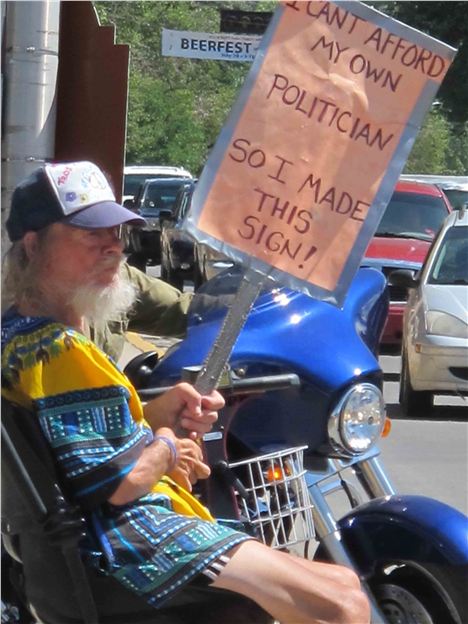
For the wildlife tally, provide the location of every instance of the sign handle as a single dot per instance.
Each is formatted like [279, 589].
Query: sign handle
[237, 313]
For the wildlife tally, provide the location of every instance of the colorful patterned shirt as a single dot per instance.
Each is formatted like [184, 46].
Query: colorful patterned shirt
[93, 420]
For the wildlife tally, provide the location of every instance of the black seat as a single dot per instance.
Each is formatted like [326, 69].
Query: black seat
[41, 530]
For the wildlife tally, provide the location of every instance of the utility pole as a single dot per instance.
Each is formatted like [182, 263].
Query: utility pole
[30, 52]
[64, 95]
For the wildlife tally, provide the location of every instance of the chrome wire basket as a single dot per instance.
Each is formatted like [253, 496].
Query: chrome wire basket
[275, 499]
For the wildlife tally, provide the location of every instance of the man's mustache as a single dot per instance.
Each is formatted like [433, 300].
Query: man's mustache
[110, 261]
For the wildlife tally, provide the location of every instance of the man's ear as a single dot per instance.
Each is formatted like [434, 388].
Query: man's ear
[30, 244]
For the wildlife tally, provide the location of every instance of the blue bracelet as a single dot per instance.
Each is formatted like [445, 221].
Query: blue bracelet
[172, 447]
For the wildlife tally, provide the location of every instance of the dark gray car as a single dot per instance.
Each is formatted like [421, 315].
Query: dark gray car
[154, 195]
[176, 243]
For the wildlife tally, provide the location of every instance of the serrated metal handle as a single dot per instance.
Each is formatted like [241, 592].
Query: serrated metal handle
[234, 321]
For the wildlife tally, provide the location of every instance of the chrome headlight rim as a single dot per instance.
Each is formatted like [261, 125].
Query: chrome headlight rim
[336, 428]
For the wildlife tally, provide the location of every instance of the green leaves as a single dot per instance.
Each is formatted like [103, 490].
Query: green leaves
[430, 148]
[178, 106]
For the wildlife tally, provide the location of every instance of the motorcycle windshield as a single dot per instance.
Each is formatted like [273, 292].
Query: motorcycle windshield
[289, 329]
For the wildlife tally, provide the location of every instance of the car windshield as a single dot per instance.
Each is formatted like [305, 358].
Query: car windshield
[450, 265]
[132, 182]
[412, 215]
[457, 197]
[160, 196]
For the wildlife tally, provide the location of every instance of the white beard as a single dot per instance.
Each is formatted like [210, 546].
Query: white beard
[101, 305]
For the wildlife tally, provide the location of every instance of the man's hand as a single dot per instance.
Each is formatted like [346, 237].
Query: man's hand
[190, 466]
[183, 408]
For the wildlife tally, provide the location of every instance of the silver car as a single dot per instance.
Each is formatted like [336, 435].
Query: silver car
[435, 323]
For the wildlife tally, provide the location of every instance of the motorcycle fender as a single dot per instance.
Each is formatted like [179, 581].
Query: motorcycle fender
[405, 528]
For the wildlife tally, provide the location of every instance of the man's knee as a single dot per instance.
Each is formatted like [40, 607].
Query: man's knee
[355, 606]
[349, 578]
[354, 602]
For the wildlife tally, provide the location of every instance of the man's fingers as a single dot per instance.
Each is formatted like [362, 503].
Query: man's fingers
[187, 473]
[199, 471]
[189, 451]
[191, 398]
[190, 425]
[182, 477]
[202, 470]
[213, 401]
[206, 415]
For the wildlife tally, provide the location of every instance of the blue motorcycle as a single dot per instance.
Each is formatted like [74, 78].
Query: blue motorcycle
[295, 456]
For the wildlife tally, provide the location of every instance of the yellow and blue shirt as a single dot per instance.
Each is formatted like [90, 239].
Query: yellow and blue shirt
[93, 420]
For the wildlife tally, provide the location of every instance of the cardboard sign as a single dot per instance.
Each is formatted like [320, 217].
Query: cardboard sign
[304, 168]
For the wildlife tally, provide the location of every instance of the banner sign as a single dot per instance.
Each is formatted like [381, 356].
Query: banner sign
[214, 46]
[301, 173]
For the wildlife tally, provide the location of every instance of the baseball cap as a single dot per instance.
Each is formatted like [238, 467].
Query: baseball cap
[74, 193]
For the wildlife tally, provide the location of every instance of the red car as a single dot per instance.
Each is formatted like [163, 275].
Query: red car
[411, 220]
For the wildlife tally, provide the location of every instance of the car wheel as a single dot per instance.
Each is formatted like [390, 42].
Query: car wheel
[412, 401]
[416, 592]
[138, 261]
[410, 595]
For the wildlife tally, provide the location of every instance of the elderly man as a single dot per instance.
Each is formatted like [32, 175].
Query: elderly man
[122, 461]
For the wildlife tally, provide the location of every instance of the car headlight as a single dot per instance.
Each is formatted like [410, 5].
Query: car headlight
[357, 421]
[444, 324]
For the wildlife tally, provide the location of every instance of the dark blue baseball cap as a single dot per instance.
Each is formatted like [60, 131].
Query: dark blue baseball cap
[74, 193]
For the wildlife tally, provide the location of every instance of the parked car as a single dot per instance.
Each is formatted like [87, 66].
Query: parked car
[455, 187]
[135, 175]
[402, 240]
[207, 262]
[176, 243]
[457, 194]
[143, 244]
[435, 326]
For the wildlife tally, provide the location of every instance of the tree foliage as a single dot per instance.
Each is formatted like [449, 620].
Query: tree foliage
[429, 152]
[439, 149]
[178, 106]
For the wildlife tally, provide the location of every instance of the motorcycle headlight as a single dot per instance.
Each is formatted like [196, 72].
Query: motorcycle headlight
[357, 421]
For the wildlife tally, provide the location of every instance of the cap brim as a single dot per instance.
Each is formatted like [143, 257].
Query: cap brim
[103, 215]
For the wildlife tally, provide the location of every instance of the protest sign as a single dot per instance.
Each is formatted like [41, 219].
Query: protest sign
[302, 171]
